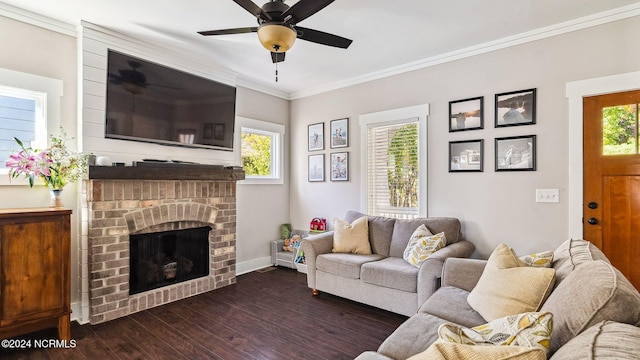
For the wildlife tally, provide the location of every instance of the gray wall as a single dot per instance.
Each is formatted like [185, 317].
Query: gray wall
[494, 207]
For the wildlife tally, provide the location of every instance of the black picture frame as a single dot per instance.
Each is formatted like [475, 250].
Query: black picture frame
[208, 131]
[515, 108]
[466, 114]
[339, 166]
[315, 167]
[466, 156]
[339, 133]
[515, 153]
[315, 136]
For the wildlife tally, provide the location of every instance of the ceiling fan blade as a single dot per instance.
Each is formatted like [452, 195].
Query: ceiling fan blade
[254, 9]
[277, 57]
[321, 37]
[229, 31]
[303, 9]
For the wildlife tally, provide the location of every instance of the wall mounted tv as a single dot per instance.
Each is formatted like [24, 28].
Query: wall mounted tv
[154, 103]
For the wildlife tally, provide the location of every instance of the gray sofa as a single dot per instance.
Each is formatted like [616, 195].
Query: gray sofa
[383, 279]
[596, 310]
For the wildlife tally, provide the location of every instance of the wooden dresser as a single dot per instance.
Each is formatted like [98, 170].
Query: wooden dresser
[34, 271]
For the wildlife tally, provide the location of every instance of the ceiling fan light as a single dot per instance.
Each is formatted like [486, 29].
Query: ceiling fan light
[275, 37]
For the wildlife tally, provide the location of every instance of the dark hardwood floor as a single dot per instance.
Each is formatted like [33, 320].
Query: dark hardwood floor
[266, 315]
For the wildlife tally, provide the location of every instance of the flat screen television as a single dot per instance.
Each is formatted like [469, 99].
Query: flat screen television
[154, 103]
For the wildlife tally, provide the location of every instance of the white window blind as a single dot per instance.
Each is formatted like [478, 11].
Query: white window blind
[393, 170]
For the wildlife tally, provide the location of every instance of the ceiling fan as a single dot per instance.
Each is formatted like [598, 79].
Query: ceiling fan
[132, 80]
[278, 29]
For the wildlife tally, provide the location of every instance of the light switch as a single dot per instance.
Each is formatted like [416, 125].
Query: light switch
[548, 195]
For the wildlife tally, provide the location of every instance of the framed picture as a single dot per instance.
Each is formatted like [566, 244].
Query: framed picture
[466, 156]
[467, 114]
[316, 167]
[339, 133]
[316, 137]
[340, 166]
[208, 131]
[516, 153]
[516, 108]
[218, 132]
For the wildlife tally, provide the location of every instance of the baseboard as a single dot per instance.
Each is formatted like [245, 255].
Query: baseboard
[252, 265]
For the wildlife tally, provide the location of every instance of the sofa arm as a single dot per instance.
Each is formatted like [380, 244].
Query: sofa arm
[313, 246]
[462, 273]
[431, 270]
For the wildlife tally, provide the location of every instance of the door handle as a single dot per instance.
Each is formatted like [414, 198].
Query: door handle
[593, 221]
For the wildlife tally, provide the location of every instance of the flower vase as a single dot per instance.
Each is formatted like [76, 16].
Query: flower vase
[55, 201]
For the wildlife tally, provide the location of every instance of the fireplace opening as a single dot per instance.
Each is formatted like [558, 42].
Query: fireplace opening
[163, 258]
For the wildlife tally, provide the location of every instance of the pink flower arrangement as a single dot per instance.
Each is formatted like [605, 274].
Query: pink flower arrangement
[56, 165]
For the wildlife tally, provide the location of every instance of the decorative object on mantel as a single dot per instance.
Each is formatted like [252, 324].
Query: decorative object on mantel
[56, 165]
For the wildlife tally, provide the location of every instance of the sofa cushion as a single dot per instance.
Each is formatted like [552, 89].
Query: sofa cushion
[405, 227]
[412, 336]
[507, 286]
[422, 244]
[605, 340]
[594, 291]
[450, 304]
[391, 272]
[344, 265]
[351, 237]
[572, 253]
[447, 351]
[380, 230]
[532, 329]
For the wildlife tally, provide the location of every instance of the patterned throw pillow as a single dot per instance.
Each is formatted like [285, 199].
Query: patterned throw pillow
[422, 244]
[532, 329]
[449, 351]
[542, 259]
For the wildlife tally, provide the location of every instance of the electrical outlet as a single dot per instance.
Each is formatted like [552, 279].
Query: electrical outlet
[548, 195]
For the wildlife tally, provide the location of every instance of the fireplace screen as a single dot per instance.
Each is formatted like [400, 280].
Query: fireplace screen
[168, 257]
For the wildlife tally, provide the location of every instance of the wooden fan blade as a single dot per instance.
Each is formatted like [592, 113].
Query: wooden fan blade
[254, 9]
[321, 37]
[303, 9]
[229, 31]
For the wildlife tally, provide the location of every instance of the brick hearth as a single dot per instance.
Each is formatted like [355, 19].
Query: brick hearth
[118, 208]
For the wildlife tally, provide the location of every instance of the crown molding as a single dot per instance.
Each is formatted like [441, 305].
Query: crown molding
[32, 18]
[522, 38]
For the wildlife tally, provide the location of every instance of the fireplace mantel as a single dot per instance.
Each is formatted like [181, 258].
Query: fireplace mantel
[166, 171]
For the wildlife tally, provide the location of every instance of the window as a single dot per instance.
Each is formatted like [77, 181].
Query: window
[29, 105]
[393, 162]
[22, 115]
[261, 151]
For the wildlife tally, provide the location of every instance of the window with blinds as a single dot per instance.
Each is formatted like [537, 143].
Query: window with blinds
[21, 116]
[392, 170]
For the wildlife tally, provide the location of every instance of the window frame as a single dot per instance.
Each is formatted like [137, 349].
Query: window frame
[47, 93]
[394, 117]
[276, 131]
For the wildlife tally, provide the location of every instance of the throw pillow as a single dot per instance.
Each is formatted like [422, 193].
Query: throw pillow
[422, 244]
[508, 287]
[351, 238]
[532, 329]
[542, 259]
[447, 351]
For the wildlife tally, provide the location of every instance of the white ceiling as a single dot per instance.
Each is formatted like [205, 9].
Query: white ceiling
[387, 35]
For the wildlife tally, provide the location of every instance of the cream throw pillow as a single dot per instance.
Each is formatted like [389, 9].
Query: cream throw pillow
[422, 244]
[447, 351]
[351, 238]
[508, 287]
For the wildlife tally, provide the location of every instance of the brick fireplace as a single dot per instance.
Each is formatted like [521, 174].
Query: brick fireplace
[123, 201]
